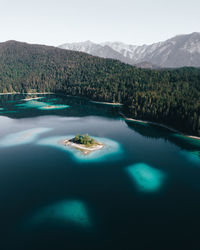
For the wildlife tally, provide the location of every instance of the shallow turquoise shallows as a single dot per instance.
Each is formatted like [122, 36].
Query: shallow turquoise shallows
[31, 104]
[112, 150]
[147, 178]
[193, 156]
[189, 140]
[67, 211]
[42, 105]
[23, 137]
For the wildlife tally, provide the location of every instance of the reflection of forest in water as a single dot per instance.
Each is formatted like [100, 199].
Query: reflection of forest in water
[157, 132]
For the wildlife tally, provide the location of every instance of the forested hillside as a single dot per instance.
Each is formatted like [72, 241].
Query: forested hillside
[168, 96]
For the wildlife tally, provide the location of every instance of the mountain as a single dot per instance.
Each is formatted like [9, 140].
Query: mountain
[166, 96]
[179, 51]
[94, 49]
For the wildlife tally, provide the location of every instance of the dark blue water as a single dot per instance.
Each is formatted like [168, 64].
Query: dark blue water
[142, 191]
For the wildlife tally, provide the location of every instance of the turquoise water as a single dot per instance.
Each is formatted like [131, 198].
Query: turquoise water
[64, 211]
[148, 179]
[41, 105]
[141, 191]
[112, 150]
[192, 157]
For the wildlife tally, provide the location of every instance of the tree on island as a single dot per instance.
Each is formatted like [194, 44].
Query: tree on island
[84, 139]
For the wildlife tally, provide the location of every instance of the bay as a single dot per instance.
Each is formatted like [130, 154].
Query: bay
[141, 192]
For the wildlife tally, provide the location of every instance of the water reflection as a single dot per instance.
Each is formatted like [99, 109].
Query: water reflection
[22, 137]
[157, 132]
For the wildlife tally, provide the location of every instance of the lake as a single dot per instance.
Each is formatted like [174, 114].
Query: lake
[141, 191]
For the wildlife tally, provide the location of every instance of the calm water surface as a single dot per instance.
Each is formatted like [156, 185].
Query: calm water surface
[142, 191]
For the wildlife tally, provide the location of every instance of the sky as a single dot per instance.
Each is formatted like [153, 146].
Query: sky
[54, 22]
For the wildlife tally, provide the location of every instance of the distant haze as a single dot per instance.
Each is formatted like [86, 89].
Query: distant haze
[133, 22]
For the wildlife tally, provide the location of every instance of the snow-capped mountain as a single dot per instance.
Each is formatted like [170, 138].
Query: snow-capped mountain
[95, 49]
[179, 51]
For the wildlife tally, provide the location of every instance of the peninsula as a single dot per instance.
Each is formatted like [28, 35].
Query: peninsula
[84, 143]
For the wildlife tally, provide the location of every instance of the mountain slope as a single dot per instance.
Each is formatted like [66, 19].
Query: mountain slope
[94, 49]
[167, 96]
[179, 51]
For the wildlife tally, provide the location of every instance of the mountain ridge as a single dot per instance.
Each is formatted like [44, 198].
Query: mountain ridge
[178, 51]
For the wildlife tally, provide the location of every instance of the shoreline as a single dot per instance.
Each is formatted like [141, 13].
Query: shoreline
[19, 93]
[114, 104]
[160, 125]
[10, 93]
[52, 93]
[108, 103]
[30, 99]
[38, 93]
[84, 149]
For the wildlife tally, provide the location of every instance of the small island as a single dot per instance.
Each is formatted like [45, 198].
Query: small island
[84, 143]
[49, 107]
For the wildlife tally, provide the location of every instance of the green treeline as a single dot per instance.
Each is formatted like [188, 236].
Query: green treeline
[168, 96]
[84, 139]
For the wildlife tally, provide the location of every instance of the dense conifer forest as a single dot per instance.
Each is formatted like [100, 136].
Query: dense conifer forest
[168, 96]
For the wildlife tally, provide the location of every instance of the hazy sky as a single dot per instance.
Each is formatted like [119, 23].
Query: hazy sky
[54, 22]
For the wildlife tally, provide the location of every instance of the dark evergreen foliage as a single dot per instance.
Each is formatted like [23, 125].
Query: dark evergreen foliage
[83, 139]
[171, 97]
